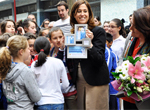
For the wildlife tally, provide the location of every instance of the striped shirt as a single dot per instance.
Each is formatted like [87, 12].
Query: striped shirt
[64, 25]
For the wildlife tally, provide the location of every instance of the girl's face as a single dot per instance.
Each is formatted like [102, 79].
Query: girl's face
[57, 38]
[26, 53]
[106, 26]
[113, 28]
[31, 46]
[82, 14]
[45, 32]
[10, 28]
[46, 23]
[96, 22]
[31, 28]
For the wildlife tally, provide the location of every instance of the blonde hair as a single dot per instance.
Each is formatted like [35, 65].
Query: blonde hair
[14, 44]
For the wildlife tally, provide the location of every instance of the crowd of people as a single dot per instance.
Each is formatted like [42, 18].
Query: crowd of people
[35, 72]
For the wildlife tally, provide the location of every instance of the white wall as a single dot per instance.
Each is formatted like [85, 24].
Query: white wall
[111, 9]
[20, 16]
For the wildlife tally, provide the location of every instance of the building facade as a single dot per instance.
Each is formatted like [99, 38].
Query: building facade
[105, 9]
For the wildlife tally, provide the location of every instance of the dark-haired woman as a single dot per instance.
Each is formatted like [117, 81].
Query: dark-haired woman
[49, 71]
[90, 75]
[8, 26]
[97, 21]
[45, 23]
[116, 29]
[138, 45]
[25, 26]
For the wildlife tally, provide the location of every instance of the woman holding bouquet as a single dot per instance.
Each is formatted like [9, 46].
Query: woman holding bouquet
[139, 44]
[90, 75]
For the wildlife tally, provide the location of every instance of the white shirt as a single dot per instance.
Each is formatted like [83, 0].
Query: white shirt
[48, 78]
[64, 25]
[118, 45]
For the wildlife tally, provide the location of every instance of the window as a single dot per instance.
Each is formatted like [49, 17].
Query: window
[96, 7]
[146, 2]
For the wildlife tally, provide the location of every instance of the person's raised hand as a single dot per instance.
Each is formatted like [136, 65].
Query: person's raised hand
[21, 30]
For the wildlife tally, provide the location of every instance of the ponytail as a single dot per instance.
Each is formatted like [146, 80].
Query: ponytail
[42, 46]
[121, 24]
[14, 44]
[122, 30]
[5, 62]
[41, 59]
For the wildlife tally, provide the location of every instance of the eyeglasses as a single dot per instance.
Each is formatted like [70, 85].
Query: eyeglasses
[113, 26]
[46, 23]
[106, 26]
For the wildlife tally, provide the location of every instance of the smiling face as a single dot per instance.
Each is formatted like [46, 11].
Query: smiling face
[57, 38]
[10, 28]
[106, 26]
[82, 14]
[135, 32]
[113, 28]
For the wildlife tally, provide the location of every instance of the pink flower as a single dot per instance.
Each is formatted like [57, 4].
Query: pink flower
[147, 63]
[137, 56]
[132, 80]
[136, 71]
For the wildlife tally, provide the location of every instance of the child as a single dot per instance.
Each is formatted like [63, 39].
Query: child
[56, 36]
[31, 39]
[19, 86]
[43, 32]
[48, 73]
[3, 101]
[113, 101]
[8, 26]
[25, 26]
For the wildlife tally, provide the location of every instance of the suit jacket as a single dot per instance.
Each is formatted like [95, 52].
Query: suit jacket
[94, 68]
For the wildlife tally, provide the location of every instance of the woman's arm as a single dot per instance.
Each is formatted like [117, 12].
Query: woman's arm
[97, 52]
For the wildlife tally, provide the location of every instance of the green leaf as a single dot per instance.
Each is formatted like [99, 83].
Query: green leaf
[129, 93]
[114, 73]
[117, 77]
[135, 91]
[130, 85]
[137, 59]
[131, 60]
[139, 97]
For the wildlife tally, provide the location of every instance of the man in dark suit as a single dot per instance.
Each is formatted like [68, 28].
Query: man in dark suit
[128, 26]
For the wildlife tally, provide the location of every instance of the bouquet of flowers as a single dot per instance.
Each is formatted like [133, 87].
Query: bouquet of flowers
[133, 77]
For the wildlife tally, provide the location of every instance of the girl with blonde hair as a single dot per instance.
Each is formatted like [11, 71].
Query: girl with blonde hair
[19, 85]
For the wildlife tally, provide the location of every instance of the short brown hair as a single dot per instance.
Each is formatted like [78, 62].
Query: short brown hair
[29, 35]
[62, 3]
[54, 29]
[74, 9]
[4, 38]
